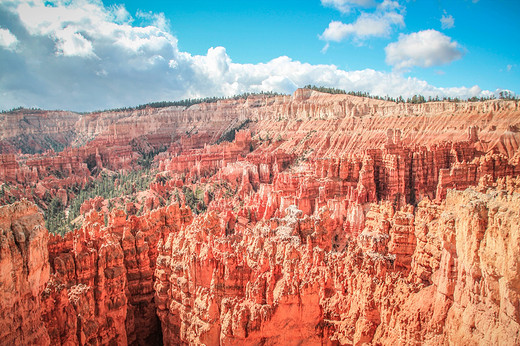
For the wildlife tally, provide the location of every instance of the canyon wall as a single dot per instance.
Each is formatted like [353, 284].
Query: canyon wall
[435, 274]
[303, 219]
[35, 131]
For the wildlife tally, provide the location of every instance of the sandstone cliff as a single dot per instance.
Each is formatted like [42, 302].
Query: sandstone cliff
[35, 131]
[24, 272]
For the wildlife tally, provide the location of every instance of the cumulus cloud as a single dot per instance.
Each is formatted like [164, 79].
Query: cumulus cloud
[7, 39]
[424, 48]
[447, 21]
[345, 6]
[378, 24]
[336, 31]
[83, 56]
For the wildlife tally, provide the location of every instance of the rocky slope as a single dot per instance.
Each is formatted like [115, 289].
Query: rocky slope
[302, 219]
[101, 287]
[34, 131]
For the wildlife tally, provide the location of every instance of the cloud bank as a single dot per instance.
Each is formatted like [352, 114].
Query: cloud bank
[83, 56]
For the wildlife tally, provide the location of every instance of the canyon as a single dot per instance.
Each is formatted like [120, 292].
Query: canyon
[309, 219]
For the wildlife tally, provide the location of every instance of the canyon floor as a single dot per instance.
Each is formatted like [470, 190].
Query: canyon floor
[304, 219]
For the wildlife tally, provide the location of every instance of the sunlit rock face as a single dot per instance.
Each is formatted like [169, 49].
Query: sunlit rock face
[303, 219]
[24, 272]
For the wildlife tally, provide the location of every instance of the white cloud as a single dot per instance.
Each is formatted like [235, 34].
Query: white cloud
[83, 56]
[336, 31]
[156, 19]
[377, 24]
[40, 19]
[424, 48]
[120, 15]
[447, 21]
[215, 63]
[72, 43]
[288, 74]
[345, 6]
[389, 5]
[7, 39]
[325, 48]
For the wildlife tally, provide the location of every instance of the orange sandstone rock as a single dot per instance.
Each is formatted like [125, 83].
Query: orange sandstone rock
[331, 219]
[24, 272]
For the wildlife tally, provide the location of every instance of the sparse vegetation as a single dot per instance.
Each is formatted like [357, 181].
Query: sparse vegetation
[503, 95]
[55, 219]
[325, 89]
[147, 158]
[229, 135]
[507, 95]
[6, 196]
[21, 109]
[194, 199]
[59, 217]
[111, 186]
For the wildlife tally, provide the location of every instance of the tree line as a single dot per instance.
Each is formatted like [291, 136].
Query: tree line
[415, 99]
[190, 102]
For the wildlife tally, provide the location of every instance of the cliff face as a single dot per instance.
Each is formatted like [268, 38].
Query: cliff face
[35, 131]
[24, 272]
[301, 219]
[101, 289]
[308, 123]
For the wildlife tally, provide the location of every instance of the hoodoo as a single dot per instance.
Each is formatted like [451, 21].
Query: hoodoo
[280, 220]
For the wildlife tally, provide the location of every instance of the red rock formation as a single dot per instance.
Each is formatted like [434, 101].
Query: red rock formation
[101, 287]
[9, 169]
[276, 284]
[329, 219]
[24, 272]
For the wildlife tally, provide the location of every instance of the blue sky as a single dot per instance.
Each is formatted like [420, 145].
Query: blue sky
[88, 54]
[258, 31]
